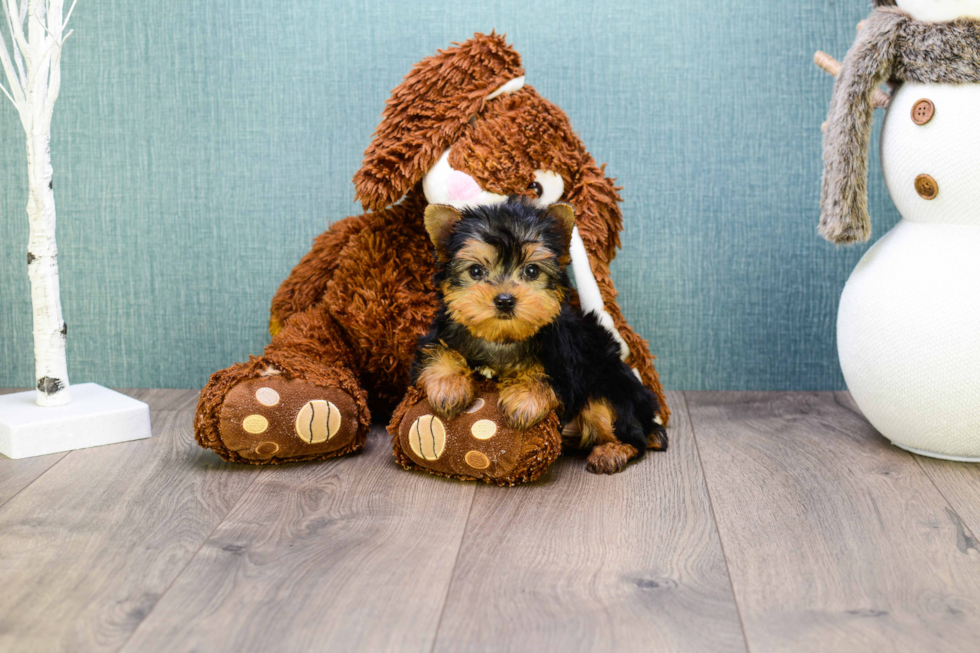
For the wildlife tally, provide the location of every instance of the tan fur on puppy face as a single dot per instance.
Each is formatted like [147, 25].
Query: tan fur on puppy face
[472, 304]
[447, 380]
[473, 307]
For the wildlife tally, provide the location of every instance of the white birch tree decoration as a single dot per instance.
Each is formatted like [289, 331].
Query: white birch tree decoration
[46, 421]
[33, 83]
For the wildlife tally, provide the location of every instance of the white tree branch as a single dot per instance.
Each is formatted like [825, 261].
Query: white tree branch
[34, 87]
[9, 11]
[67, 18]
[12, 100]
[12, 79]
[17, 26]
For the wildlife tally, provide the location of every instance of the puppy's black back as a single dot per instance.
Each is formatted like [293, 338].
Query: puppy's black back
[582, 360]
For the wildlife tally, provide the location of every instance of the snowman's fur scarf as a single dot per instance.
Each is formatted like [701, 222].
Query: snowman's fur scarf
[892, 47]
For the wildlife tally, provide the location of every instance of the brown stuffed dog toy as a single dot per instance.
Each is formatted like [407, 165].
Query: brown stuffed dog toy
[461, 129]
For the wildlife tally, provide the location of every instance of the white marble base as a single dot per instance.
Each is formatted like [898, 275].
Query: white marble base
[96, 416]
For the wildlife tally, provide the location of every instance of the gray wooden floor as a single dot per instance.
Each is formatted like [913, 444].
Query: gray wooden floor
[775, 522]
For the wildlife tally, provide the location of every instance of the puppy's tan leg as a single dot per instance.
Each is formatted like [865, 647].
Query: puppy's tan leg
[609, 455]
[447, 380]
[526, 397]
[610, 458]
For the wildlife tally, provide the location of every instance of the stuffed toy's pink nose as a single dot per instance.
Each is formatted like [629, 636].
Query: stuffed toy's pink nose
[460, 186]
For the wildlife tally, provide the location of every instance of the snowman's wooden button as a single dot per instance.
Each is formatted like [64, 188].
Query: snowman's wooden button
[923, 111]
[926, 187]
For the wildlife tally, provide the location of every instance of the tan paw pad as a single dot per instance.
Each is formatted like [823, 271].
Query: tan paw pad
[427, 437]
[477, 405]
[318, 421]
[266, 448]
[477, 460]
[255, 424]
[267, 396]
[484, 429]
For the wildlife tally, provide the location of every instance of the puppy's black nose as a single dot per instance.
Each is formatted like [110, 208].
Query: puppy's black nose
[505, 302]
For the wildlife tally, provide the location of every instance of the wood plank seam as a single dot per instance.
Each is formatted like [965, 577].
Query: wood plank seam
[595, 562]
[34, 480]
[452, 574]
[346, 537]
[968, 535]
[190, 559]
[863, 556]
[714, 519]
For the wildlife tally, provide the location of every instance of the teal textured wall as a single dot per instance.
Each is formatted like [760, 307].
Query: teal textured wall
[199, 147]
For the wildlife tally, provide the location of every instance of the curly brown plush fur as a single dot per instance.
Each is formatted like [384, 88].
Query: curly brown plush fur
[368, 279]
[892, 46]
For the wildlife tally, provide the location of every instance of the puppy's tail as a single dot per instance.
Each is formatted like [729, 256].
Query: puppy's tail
[636, 417]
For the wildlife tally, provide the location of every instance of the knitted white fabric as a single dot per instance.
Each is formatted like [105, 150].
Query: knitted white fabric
[939, 10]
[908, 336]
[908, 329]
[946, 148]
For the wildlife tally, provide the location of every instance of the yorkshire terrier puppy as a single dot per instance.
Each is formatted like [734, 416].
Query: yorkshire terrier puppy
[505, 314]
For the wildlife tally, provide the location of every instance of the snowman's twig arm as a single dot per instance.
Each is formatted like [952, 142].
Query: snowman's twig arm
[844, 198]
[830, 65]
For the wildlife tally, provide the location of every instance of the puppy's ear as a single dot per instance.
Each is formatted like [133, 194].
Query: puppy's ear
[440, 221]
[564, 216]
[428, 112]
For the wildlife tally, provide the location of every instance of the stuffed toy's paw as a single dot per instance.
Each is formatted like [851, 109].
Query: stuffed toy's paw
[477, 445]
[273, 419]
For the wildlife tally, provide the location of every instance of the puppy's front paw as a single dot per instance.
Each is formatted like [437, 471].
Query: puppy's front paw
[610, 458]
[524, 405]
[448, 382]
[450, 395]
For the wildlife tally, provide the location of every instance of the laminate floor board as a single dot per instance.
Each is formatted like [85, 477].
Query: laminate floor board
[87, 549]
[835, 540]
[347, 554]
[958, 482]
[628, 562]
[775, 522]
[164, 399]
[15, 475]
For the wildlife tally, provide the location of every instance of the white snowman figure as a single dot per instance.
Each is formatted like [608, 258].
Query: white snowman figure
[908, 328]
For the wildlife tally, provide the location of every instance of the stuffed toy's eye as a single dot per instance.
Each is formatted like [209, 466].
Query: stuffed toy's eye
[477, 271]
[531, 272]
[536, 188]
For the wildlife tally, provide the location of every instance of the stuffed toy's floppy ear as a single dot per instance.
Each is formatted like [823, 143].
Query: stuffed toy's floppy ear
[428, 112]
[564, 216]
[440, 220]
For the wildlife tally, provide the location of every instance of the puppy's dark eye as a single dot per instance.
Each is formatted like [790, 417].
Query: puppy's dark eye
[536, 188]
[477, 271]
[531, 272]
